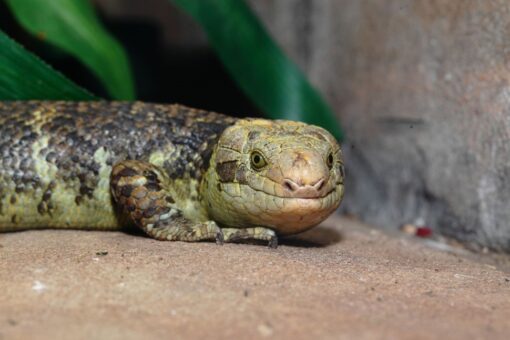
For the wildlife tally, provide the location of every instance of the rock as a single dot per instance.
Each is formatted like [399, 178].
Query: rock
[340, 280]
[422, 89]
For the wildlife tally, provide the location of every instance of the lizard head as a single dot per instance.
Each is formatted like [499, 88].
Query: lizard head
[284, 175]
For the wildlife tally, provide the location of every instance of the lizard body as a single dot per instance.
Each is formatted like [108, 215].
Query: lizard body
[175, 172]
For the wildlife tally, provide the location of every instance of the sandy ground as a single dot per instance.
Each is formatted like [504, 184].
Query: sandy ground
[342, 280]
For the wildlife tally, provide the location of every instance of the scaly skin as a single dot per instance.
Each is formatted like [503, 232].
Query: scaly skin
[177, 173]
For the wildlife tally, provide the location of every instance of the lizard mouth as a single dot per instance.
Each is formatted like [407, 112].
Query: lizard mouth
[307, 193]
[307, 196]
[296, 214]
[324, 199]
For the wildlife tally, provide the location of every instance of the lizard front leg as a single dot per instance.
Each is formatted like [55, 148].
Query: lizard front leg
[254, 233]
[140, 191]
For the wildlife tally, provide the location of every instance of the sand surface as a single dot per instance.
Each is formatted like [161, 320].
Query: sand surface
[342, 280]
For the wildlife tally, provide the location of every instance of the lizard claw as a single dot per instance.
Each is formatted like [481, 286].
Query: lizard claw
[273, 242]
[219, 237]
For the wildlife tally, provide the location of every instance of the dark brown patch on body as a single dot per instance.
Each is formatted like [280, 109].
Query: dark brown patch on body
[150, 211]
[47, 195]
[226, 171]
[127, 172]
[151, 176]
[126, 190]
[78, 200]
[86, 191]
[241, 175]
[41, 208]
[153, 187]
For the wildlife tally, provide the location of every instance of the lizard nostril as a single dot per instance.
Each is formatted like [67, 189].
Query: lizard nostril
[290, 185]
[320, 184]
[295, 187]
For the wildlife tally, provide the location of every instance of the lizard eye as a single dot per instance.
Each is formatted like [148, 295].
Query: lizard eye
[257, 160]
[329, 160]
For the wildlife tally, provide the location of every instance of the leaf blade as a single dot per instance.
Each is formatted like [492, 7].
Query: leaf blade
[23, 76]
[73, 26]
[258, 65]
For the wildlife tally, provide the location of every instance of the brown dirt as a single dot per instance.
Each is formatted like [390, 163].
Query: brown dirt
[344, 280]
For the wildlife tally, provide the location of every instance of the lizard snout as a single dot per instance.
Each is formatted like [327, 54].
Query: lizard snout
[304, 191]
[305, 175]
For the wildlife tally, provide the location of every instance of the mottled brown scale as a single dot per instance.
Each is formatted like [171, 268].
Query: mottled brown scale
[150, 207]
[128, 130]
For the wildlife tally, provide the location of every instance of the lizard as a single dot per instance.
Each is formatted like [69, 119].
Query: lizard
[177, 173]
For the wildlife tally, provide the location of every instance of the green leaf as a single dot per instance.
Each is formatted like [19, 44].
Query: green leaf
[73, 26]
[259, 67]
[23, 76]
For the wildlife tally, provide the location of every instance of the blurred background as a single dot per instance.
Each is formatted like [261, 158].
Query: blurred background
[422, 89]
[167, 50]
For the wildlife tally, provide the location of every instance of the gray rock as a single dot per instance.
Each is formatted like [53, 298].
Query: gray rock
[423, 91]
